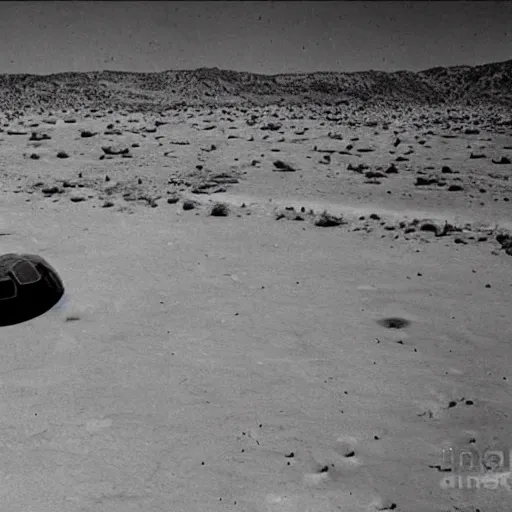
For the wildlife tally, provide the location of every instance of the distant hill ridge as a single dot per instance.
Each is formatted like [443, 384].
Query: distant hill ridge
[484, 84]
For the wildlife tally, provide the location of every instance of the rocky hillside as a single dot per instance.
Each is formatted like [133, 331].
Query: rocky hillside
[486, 84]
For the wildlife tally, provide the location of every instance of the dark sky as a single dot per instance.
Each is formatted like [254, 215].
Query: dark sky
[263, 37]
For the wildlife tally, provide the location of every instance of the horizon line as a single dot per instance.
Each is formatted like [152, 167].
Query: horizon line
[295, 73]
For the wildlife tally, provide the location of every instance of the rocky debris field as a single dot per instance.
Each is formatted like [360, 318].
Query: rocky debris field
[456, 163]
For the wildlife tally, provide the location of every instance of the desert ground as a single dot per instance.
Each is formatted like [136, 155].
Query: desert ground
[267, 309]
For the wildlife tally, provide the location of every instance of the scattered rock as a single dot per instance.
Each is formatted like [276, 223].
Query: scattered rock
[173, 199]
[113, 132]
[326, 220]
[429, 226]
[51, 190]
[224, 178]
[502, 160]
[357, 168]
[77, 197]
[220, 210]
[421, 181]
[273, 127]
[283, 167]
[189, 204]
[39, 136]
[115, 150]
[86, 134]
[505, 240]
[437, 227]
[384, 504]
[374, 174]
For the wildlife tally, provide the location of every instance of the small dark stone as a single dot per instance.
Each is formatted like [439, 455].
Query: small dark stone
[189, 205]
[503, 160]
[327, 220]
[420, 181]
[283, 167]
[50, 190]
[220, 210]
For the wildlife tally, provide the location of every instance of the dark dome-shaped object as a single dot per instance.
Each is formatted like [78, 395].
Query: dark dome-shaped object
[29, 286]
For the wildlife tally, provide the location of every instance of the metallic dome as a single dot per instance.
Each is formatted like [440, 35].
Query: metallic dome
[29, 286]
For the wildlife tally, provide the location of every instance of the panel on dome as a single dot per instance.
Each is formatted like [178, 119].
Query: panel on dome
[25, 272]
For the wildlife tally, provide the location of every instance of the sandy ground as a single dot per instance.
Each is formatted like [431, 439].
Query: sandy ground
[201, 363]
